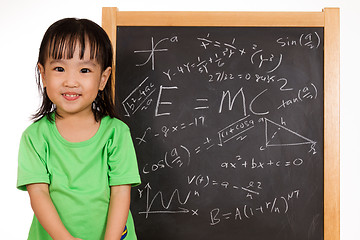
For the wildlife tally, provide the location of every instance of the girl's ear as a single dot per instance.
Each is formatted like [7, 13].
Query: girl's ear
[104, 78]
[42, 73]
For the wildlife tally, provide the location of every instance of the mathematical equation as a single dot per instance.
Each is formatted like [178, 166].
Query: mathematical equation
[278, 205]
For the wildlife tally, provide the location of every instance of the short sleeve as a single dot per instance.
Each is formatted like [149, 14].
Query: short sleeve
[31, 163]
[123, 167]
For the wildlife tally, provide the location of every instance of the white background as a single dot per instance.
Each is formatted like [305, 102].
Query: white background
[23, 24]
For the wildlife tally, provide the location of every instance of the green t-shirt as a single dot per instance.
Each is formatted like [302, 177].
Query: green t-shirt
[79, 174]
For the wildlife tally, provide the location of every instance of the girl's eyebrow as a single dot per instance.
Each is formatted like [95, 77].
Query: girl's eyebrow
[86, 62]
[54, 61]
[91, 62]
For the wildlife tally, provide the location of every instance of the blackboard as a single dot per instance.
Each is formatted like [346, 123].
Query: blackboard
[227, 123]
[242, 147]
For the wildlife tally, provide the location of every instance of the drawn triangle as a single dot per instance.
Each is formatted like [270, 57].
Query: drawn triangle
[278, 135]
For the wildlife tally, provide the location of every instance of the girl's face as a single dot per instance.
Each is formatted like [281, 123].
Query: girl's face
[72, 84]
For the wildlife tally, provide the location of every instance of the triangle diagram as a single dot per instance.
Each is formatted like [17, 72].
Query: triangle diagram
[277, 135]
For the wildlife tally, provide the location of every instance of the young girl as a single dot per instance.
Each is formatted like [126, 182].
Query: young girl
[77, 161]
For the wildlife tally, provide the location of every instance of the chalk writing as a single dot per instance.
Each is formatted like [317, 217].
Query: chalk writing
[260, 59]
[139, 98]
[274, 130]
[153, 50]
[254, 164]
[165, 207]
[305, 93]
[310, 40]
[177, 157]
[278, 205]
[227, 123]
[235, 129]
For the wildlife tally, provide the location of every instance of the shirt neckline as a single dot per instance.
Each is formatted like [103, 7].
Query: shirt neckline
[77, 144]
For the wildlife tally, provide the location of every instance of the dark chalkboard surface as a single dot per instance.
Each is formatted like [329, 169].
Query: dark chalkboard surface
[227, 123]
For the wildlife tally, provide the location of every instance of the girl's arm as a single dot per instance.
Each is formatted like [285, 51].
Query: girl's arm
[118, 211]
[46, 213]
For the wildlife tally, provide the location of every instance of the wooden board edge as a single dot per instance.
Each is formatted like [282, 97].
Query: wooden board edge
[246, 19]
[109, 25]
[332, 124]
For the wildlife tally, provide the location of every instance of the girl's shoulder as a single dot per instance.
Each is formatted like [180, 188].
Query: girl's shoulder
[40, 126]
[37, 135]
[116, 123]
[114, 129]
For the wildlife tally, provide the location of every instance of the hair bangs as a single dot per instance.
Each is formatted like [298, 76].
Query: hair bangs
[63, 46]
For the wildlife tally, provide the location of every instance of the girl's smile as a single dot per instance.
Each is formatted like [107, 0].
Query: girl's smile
[71, 96]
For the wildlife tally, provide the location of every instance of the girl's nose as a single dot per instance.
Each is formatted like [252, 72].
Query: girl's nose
[71, 80]
[71, 84]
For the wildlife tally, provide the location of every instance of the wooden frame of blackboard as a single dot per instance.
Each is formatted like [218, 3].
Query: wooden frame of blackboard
[329, 19]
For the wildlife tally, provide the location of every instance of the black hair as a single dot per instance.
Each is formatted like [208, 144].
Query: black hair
[59, 42]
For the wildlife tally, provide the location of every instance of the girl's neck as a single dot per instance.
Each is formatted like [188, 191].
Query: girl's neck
[77, 127]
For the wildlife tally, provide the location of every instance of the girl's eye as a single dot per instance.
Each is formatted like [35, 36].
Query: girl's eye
[59, 69]
[85, 70]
